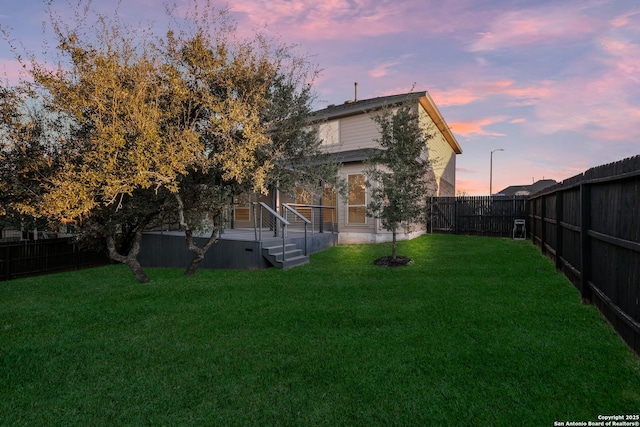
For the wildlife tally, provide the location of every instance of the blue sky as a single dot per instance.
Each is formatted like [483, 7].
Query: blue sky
[556, 84]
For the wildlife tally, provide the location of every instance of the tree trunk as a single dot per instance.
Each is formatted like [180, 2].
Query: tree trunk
[394, 246]
[130, 259]
[197, 251]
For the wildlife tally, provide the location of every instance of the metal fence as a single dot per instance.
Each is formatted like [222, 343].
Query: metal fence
[590, 226]
[35, 257]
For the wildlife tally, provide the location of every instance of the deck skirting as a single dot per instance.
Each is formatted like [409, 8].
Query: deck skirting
[236, 250]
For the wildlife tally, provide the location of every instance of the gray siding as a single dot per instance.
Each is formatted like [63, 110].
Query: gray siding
[356, 132]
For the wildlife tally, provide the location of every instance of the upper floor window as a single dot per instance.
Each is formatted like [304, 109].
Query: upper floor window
[329, 132]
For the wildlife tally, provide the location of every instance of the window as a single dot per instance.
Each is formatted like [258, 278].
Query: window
[357, 200]
[329, 133]
[242, 210]
[329, 198]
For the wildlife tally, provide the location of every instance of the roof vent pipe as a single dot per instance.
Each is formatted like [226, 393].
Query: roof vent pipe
[355, 98]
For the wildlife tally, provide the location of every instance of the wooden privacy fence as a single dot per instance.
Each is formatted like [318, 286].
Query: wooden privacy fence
[30, 258]
[483, 215]
[590, 226]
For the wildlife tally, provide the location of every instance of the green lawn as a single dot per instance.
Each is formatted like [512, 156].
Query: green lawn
[478, 331]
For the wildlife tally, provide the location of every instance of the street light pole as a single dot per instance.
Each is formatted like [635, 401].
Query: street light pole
[491, 170]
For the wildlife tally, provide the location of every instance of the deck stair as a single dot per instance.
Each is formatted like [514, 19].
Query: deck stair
[293, 256]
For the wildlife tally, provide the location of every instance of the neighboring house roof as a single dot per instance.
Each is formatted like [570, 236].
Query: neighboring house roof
[525, 190]
[351, 108]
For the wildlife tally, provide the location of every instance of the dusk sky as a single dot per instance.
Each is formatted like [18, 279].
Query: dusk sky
[556, 84]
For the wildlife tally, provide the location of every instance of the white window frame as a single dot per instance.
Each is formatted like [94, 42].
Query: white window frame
[363, 205]
[329, 133]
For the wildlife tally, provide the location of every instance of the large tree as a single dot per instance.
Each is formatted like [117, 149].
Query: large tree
[397, 173]
[250, 101]
[107, 94]
[181, 121]
[225, 82]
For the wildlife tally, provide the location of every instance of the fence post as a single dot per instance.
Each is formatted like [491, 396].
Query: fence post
[543, 227]
[531, 224]
[534, 222]
[585, 243]
[527, 212]
[559, 248]
[429, 215]
[455, 214]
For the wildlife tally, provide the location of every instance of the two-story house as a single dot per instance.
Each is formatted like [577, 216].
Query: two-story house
[348, 132]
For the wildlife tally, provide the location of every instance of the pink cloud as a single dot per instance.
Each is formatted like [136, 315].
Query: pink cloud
[384, 68]
[458, 96]
[476, 127]
[312, 20]
[535, 25]
[621, 54]
[478, 91]
[470, 187]
[510, 168]
[625, 19]
[381, 70]
[342, 20]
[602, 105]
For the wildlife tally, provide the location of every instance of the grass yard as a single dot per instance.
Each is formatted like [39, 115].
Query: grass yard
[478, 331]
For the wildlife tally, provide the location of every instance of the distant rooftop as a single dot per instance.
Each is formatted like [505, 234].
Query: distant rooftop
[517, 190]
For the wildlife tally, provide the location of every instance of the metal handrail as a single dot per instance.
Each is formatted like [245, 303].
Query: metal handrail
[313, 214]
[284, 223]
[303, 218]
[282, 219]
[289, 207]
[274, 213]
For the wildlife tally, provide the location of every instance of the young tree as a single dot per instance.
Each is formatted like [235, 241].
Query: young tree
[397, 174]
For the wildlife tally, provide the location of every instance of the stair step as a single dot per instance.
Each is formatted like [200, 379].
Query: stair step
[278, 248]
[293, 256]
[294, 262]
[277, 256]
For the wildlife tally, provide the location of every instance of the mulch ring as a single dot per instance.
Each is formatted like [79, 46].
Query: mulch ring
[387, 261]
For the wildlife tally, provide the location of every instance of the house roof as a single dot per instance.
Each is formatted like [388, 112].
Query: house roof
[351, 108]
[527, 189]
